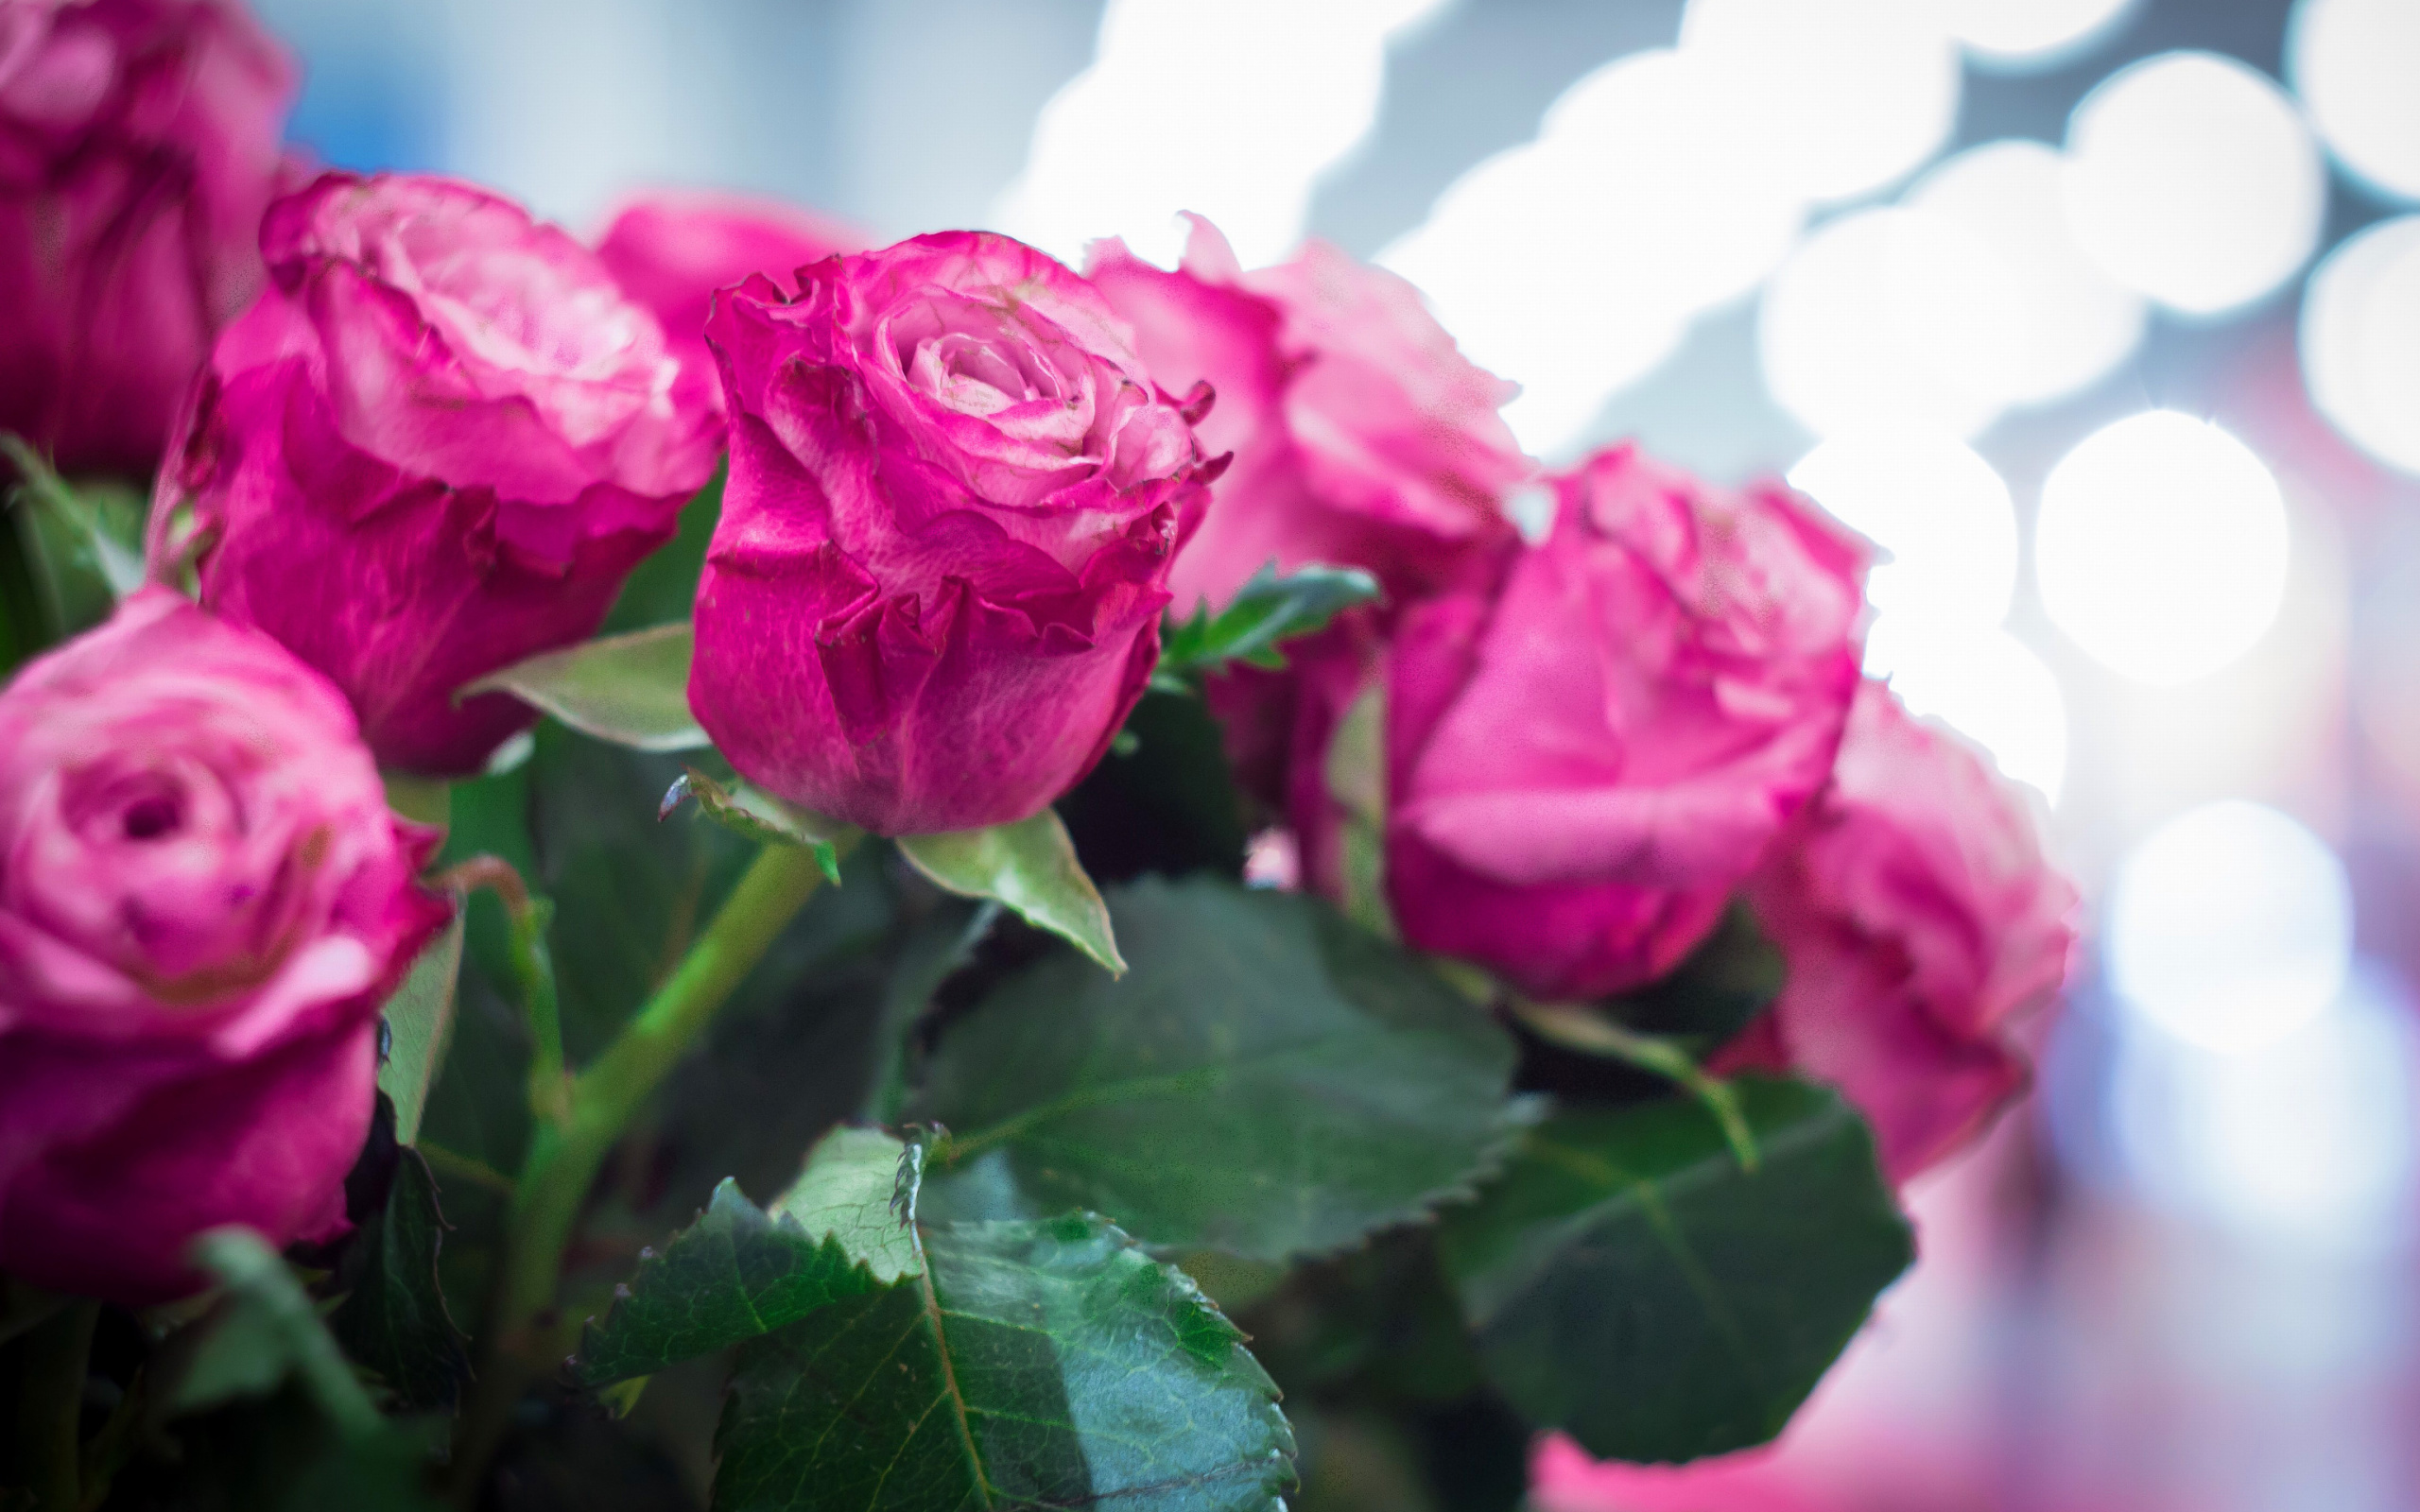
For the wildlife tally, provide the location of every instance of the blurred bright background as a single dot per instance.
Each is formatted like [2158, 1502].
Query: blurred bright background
[2103, 317]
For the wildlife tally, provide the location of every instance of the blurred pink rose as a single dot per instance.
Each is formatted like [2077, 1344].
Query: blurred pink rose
[672, 249]
[436, 447]
[138, 144]
[1590, 746]
[1362, 438]
[204, 902]
[936, 588]
[1919, 919]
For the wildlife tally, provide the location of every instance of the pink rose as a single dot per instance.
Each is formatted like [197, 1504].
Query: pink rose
[203, 901]
[1589, 747]
[674, 248]
[1362, 438]
[138, 144]
[936, 588]
[436, 447]
[1919, 920]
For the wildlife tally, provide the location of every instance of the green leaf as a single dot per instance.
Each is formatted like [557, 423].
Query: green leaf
[739, 1272]
[263, 1331]
[1030, 866]
[1172, 806]
[632, 690]
[419, 1022]
[1628, 1282]
[1269, 609]
[1049, 1365]
[1355, 776]
[1719, 990]
[745, 809]
[1268, 1080]
[394, 1319]
[101, 523]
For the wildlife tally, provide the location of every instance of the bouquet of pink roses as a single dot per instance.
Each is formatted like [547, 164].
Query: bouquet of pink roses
[726, 864]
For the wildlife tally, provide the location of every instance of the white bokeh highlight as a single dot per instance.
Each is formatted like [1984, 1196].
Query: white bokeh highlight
[2356, 64]
[2075, 322]
[2193, 179]
[1263, 96]
[2030, 33]
[1936, 507]
[1848, 95]
[2230, 927]
[2305, 1142]
[2360, 341]
[1987, 685]
[1887, 319]
[2161, 547]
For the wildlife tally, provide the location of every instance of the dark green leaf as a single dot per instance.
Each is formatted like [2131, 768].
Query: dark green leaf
[1715, 993]
[263, 1331]
[739, 1272]
[1030, 866]
[1269, 609]
[1628, 1282]
[1268, 1080]
[419, 1022]
[1032, 1365]
[394, 1319]
[632, 690]
[1169, 807]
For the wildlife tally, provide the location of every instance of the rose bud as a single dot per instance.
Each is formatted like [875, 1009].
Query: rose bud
[1919, 920]
[672, 249]
[436, 446]
[1591, 746]
[203, 901]
[1362, 438]
[138, 144]
[936, 588]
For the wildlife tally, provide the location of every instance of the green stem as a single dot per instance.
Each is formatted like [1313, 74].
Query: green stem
[1580, 1029]
[565, 1155]
[50, 1401]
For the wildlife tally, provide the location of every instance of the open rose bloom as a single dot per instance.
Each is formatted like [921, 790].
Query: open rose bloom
[138, 144]
[954, 495]
[205, 903]
[436, 447]
[1590, 744]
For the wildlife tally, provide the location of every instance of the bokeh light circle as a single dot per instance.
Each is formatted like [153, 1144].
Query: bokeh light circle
[2357, 65]
[2077, 323]
[1986, 684]
[1891, 318]
[2031, 33]
[2230, 926]
[2193, 179]
[2161, 547]
[2360, 341]
[1939, 510]
[1849, 96]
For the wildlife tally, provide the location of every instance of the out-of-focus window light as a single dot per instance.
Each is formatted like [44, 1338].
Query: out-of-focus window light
[2075, 322]
[1936, 507]
[1850, 95]
[2193, 179]
[2357, 65]
[1268, 96]
[1891, 318]
[2160, 547]
[2029, 34]
[1985, 685]
[2361, 339]
[2306, 1142]
[2230, 927]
